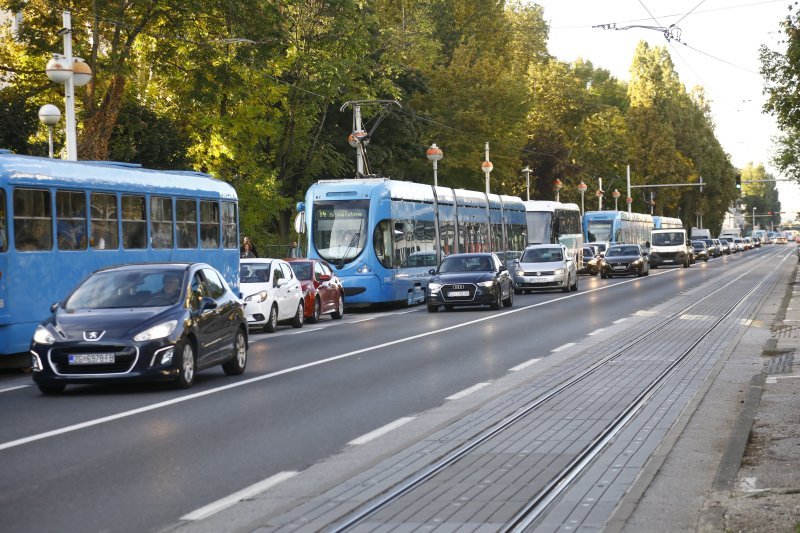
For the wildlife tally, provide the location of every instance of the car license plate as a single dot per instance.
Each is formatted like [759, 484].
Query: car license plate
[537, 279]
[456, 294]
[91, 358]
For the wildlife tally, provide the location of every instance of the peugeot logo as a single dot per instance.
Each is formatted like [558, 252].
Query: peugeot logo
[458, 287]
[538, 273]
[92, 336]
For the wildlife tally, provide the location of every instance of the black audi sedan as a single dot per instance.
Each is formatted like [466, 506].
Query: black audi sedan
[141, 322]
[624, 260]
[470, 279]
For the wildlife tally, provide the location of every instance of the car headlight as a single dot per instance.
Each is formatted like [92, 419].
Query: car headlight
[157, 332]
[434, 287]
[519, 272]
[637, 262]
[559, 272]
[257, 297]
[489, 283]
[42, 335]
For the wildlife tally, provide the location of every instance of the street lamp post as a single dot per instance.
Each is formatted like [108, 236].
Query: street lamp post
[582, 189]
[557, 186]
[599, 194]
[527, 171]
[754, 220]
[487, 168]
[616, 194]
[434, 155]
[72, 72]
[49, 115]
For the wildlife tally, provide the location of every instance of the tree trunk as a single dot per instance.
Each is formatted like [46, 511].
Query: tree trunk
[97, 128]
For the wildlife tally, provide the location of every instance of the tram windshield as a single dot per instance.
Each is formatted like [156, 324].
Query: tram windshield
[339, 229]
[539, 226]
[599, 230]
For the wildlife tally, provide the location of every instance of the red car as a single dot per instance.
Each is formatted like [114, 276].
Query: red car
[323, 292]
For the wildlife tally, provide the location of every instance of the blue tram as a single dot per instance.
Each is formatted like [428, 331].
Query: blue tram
[616, 227]
[61, 220]
[383, 236]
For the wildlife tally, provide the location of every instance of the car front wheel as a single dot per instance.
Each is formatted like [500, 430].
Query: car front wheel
[297, 321]
[508, 302]
[314, 318]
[50, 389]
[186, 361]
[272, 321]
[339, 312]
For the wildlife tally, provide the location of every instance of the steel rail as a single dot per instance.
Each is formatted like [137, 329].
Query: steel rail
[410, 483]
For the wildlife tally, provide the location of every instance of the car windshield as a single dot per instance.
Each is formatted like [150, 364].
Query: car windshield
[698, 246]
[126, 289]
[542, 255]
[667, 239]
[470, 263]
[254, 272]
[622, 251]
[302, 269]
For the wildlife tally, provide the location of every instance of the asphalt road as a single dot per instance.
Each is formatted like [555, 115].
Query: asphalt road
[137, 458]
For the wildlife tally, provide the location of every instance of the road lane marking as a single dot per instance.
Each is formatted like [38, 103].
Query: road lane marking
[372, 435]
[526, 364]
[595, 332]
[14, 388]
[306, 330]
[645, 313]
[236, 497]
[363, 320]
[563, 347]
[620, 320]
[467, 392]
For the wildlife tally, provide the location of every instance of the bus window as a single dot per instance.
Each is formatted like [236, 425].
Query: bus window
[33, 220]
[105, 231]
[134, 223]
[229, 225]
[383, 242]
[3, 231]
[160, 222]
[187, 223]
[71, 220]
[209, 224]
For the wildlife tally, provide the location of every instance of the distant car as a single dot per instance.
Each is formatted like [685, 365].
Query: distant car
[624, 260]
[272, 293]
[726, 247]
[781, 239]
[142, 322]
[591, 260]
[469, 279]
[601, 247]
[322, 290]
[713, 247]
[700, 250]
[748, 243]
[739, 244]
[546, 266]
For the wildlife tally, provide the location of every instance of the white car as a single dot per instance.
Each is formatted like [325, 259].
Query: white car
[271, 292]
[545, 266]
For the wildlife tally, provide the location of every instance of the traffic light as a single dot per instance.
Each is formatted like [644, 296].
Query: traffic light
[738, 181]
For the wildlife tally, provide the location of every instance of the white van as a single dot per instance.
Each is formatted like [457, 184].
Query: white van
[730, 233]
[669, 247]
[701, 233]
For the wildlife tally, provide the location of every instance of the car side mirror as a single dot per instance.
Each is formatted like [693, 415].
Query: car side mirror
[281, 282]
[54, 307]
[207, 303]
[502, 268]
[324, 277]
[432, 271]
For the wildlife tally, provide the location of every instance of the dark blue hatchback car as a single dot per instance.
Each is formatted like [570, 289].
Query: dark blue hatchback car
[141, 322]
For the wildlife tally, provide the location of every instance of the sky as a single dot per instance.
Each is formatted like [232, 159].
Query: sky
[716, 46]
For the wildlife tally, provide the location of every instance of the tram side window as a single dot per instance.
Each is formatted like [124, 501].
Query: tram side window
[71, 220]
[105, 231]
[383, 243]
[134, 223]
[229, 225]
[3, 230]
[161, 222]
[186, 215]
[209, 224]
[33, 220]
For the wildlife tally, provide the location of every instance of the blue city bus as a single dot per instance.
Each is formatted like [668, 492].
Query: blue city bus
[555, 223]
[61, 220]
[381, 235]
[615, 227]
[660, 222]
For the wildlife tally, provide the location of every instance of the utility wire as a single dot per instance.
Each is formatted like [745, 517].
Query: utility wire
[690, 12]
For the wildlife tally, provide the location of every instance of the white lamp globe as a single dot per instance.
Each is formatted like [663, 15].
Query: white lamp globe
[58, 69]
[81, 72]
[49, 115]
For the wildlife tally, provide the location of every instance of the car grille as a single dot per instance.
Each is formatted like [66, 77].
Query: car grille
[124, 360]
[618, 266]
[469, 288]
[540, 273]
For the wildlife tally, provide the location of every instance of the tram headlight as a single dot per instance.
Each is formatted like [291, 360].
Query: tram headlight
[42, 335]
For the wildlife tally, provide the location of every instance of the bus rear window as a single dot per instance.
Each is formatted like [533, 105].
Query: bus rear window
[230, 239]
[33, 220]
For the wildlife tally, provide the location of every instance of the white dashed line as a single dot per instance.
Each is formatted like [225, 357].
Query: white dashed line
[363, 320]
[526, 364]
[14, 388]
[563, 347]
[467, 392]
[372, 435]
[620, 320]
[236, 497]
[595, 332]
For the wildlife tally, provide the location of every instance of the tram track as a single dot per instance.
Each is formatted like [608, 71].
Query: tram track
[537, 506]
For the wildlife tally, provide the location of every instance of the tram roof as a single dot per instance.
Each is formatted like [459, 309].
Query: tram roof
[110, 175]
